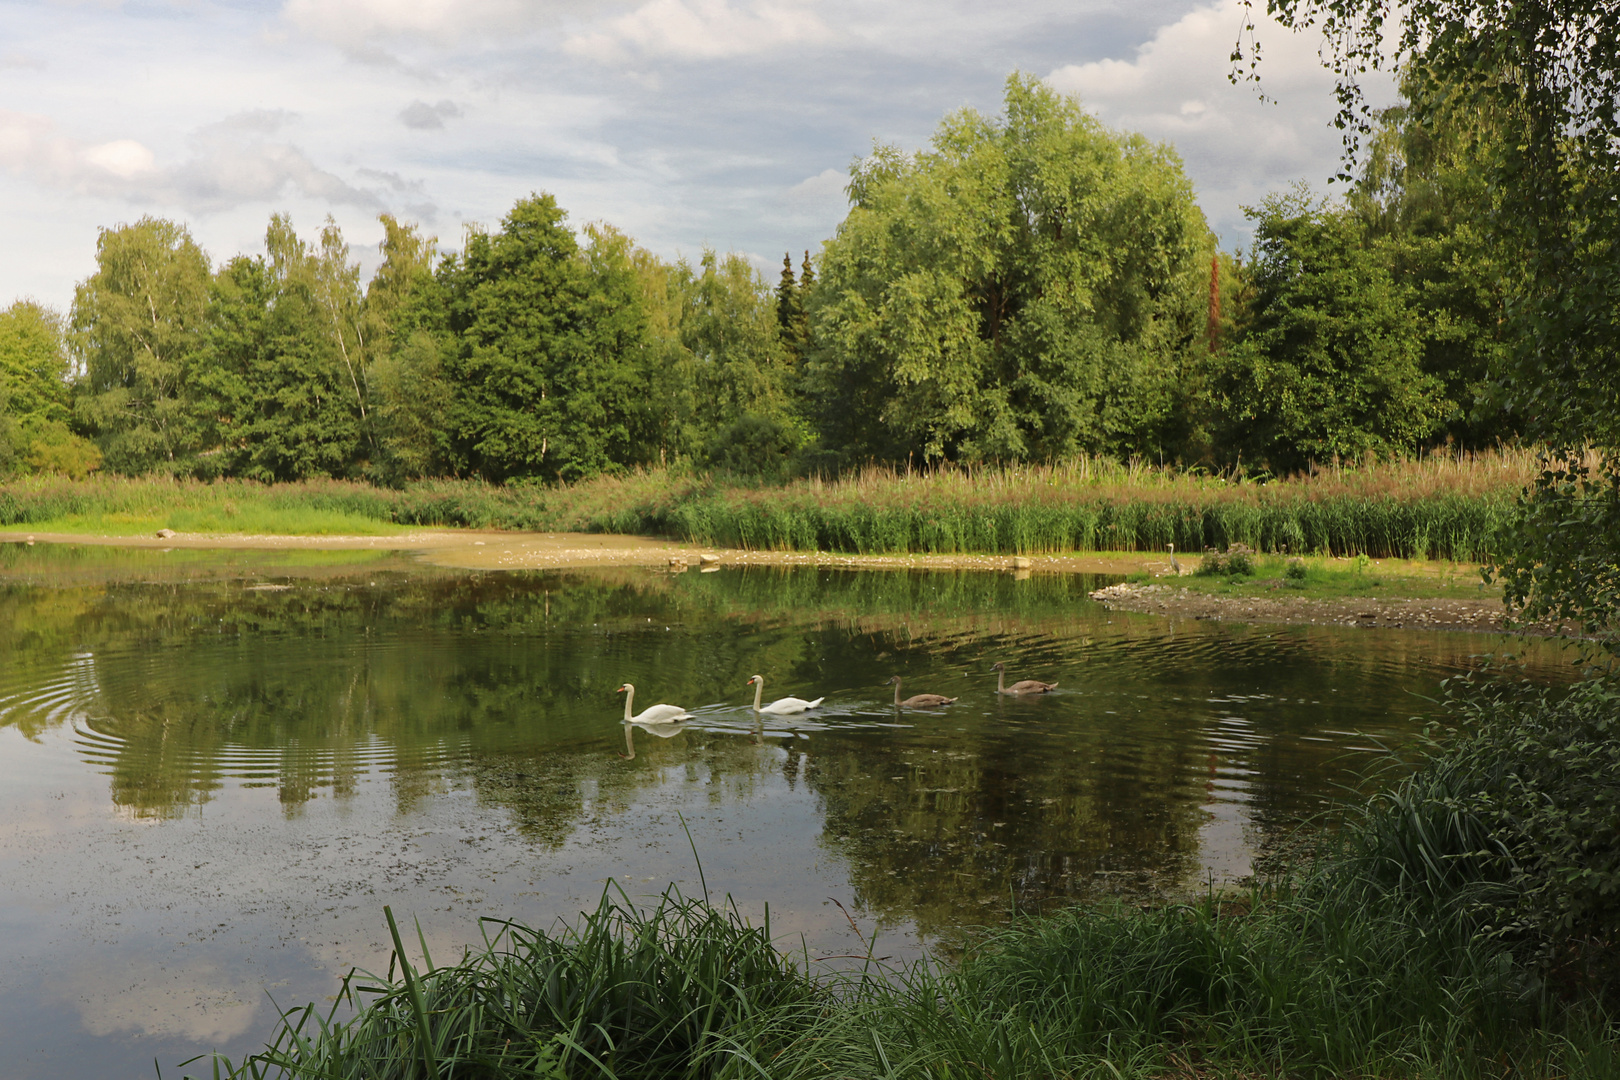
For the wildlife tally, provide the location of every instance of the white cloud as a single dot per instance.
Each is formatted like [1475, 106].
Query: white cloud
[702, 30]
[233, 162]
[355, 22]
[30, 146]
[1236, 146]
[825, 186]
[124, 158]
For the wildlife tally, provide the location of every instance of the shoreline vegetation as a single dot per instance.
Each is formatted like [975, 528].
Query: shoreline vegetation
[1457, 925]
[1442, 507]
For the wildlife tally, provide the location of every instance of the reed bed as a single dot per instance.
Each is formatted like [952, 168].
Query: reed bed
[1446, 506]
[1442, 506]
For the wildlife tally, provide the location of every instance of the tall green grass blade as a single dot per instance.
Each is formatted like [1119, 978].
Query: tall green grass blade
[414, 990]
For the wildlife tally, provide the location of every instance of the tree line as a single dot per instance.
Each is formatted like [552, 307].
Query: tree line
[1032, 287]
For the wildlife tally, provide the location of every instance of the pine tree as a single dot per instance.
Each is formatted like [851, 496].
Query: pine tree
[789, 308]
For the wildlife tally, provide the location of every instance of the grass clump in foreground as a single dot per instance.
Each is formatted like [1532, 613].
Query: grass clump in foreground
[1461, 925]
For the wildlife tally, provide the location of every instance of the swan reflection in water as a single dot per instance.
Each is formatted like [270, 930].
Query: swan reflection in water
[663, 731]
[756, 733]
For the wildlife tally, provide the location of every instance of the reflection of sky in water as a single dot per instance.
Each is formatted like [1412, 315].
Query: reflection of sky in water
[208, 793]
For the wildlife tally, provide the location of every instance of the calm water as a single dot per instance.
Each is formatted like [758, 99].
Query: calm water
[216, 768]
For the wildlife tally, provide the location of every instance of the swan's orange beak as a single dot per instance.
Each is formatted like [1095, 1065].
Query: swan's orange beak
[620, 690]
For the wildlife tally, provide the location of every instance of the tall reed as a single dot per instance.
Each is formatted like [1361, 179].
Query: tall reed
[1441, 506]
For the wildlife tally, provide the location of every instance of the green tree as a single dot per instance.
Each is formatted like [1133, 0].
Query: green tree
[406, 326]
[741, 366]
[34, 365]
[35, 395]
[138, 323]
[1544, 74]
[661, 411]
[1427, 207]
[807, 274]
[670, 424]
[283, 398]
[550, 372]
[334, 282]
[790, 322]
[1027, 289]
[1330, 363]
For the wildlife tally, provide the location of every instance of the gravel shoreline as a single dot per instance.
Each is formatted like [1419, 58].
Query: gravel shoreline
[1485, 616]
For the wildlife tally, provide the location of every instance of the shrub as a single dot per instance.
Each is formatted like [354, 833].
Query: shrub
[1235, 561]
[752, 446]
[54, 449]
[1513, 818]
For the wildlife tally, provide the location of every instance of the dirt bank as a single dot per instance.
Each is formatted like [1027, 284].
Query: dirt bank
[1434, 614]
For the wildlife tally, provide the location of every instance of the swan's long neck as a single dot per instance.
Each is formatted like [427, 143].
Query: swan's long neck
[1001, 680]
[897, 693]
[629, 696]
[759, 691]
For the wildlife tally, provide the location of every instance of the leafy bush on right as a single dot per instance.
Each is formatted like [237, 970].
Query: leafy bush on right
[1513, 822]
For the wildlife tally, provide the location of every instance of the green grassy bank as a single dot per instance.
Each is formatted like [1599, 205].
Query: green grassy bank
[1461, 925]
[1439, 507]
[1330, 578]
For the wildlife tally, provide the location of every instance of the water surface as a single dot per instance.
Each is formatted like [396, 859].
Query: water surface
[216, 768]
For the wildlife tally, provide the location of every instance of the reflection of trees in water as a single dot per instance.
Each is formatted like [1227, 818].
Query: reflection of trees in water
[306, 689]
[503, 684]
[949, 836]
[547, 793]
[299, 689]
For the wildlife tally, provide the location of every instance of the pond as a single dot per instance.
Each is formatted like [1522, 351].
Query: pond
[217, 767]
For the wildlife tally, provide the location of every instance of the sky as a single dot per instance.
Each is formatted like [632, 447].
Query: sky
[728, 124]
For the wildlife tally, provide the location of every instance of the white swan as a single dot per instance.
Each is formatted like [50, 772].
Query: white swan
[780, 706]
[652, 714]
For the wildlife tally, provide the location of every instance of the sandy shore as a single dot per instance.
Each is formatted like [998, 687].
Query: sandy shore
[474, 550]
